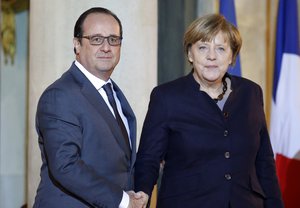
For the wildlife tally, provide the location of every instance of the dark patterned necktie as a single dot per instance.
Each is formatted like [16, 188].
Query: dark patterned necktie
[107, 88]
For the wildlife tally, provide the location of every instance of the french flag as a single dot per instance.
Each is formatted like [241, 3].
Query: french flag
[285, 116]
[227, 9]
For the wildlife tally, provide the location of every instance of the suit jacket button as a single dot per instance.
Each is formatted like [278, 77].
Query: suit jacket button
[228, 177]
[225, 133]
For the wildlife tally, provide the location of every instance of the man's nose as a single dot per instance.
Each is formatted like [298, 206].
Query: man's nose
[105, 45]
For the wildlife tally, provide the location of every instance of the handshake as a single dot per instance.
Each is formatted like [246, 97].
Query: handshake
[137, 200]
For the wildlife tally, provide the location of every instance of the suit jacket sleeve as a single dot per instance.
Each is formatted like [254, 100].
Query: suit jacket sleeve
[62, 142]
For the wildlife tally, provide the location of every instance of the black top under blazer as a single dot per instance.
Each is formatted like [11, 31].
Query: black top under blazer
[213, 158]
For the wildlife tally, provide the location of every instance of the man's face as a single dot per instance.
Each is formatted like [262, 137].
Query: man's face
[100, 60]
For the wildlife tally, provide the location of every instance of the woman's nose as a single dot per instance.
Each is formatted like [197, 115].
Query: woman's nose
[211, 54]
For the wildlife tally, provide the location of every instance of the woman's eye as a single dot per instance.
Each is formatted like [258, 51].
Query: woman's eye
[221, 49]
[201, 48]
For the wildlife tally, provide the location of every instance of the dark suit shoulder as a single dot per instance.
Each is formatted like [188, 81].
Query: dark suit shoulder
[178, 85]
[65, 91]
[69, 81]
[64, 81]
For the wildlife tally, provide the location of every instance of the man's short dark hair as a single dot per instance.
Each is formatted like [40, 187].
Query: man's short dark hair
[78, 31]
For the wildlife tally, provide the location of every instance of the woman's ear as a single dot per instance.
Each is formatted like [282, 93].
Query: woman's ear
[190, 58]
[230, 62]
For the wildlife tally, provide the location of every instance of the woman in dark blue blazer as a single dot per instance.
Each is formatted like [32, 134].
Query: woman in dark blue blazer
[209, 128]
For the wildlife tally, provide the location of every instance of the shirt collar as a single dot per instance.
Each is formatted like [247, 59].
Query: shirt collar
[98, 83]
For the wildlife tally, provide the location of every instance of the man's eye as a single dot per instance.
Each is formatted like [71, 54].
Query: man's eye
[96, 39]
[113, 39]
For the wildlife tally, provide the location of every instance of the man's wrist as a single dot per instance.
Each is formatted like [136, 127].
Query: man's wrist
[125, 200]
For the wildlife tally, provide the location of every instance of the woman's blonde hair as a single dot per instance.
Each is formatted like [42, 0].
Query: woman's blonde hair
[207, 27]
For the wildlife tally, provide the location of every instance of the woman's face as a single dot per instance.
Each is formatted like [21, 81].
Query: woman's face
[211, 59]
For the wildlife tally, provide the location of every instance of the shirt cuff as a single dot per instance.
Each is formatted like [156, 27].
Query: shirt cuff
[125, 200]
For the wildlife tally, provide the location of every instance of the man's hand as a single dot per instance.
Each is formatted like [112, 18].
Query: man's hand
[137, 200]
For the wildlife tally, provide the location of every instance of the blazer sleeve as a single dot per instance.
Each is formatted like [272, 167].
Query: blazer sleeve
[153, 143]
[265, 167]
[61, 141]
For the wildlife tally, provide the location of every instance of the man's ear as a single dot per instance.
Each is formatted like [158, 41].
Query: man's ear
[77, 45]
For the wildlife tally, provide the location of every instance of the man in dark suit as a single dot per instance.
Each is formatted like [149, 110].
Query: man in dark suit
[86, 127]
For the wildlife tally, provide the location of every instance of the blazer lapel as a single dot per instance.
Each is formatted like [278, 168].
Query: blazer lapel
[93, 96]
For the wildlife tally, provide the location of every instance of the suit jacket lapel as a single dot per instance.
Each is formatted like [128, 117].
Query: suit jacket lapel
[128, 112]
[93, 96]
